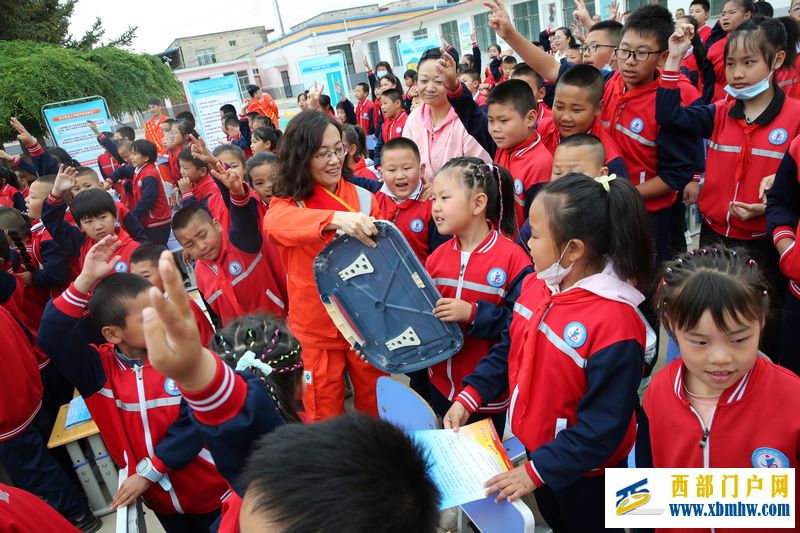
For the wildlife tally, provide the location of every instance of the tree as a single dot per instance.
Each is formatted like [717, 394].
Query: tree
[36, 20]
[35, 74]
[92, 37]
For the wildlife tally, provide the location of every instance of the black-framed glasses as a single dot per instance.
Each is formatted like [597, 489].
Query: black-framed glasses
[639, 55]
[592, 48]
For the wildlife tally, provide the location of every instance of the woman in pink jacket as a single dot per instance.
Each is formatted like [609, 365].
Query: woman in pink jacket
[434, 125]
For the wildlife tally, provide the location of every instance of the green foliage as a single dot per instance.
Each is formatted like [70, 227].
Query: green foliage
[35, 74]
[37, 20]
[93, 35]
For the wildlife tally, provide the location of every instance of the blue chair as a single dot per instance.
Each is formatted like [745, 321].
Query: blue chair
[504, 517]
[403, 407]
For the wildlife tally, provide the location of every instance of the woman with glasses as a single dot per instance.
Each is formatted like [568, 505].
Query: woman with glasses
[311, 203]
[733, 14]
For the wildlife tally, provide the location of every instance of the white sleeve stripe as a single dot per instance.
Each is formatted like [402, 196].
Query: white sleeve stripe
[74, 300]
[221, 396]
[464, 395]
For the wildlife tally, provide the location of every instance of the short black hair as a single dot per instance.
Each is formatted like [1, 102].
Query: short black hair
[510, 60]
[585, 77]
[126, 132]
[586, 139]
[763, 8]
[265, 134]
[702, 3]
[364, 87]
[185, 215]
[252, 89]
[87, 171]
[186, 116]
[235, 150]
[401, 143]
[92, 203]
[186, 155]
[231, 121]
[360, 459]
[267, 123]
[226, 109]
[515, 93]
[472, 74]
[612, 28]
[148, 251]
[261, 158]
[395, 95]
[154, 101]
[146, 148]
[410, 73]
[251, 115]
[522, 69]
[651, 21]
[110, 298]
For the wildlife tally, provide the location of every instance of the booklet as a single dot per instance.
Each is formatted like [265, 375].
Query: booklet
[77, 413]
[460, 463]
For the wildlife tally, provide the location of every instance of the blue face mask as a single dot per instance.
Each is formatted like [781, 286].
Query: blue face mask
[380, 73]
[750, 92]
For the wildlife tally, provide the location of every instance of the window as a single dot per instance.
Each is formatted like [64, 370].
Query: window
[631, 5]
[396, 61]
[232, 43]
[450, 34]
[205, 56]
[348, 59]
[526, 19]
[483, 32]
[421, 34]
[244, 81]
[374, 53]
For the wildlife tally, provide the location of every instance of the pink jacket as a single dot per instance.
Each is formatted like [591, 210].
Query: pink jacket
[439, 145]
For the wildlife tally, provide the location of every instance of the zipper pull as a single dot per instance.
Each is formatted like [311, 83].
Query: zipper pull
[461, 272]
[704, 440]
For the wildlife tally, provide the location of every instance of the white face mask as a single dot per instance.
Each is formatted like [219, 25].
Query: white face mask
[380, 73]
[555, 274]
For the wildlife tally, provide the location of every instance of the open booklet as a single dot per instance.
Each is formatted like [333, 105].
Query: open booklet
[460, 463]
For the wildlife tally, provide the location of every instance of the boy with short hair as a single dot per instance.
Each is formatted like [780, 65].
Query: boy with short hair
[152, 128]
[508, 64]
[85, 179]
[232, 273]
[525, 73]
[149, 198]
[275, 475]
[95, 214]
[364, 109]
[599, 44]
[262, 103]
[140, 413]
[471, 78]
[238, 131]
[144, 262]
[700, 9]
[394, 116]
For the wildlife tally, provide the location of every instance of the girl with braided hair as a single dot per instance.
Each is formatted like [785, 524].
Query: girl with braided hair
[707, 408]
[474, 202]
[262, 345]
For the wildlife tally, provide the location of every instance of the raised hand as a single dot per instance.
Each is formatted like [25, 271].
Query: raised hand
[679, 43]
[613, 10]
[93, 127]
[473, 36]
[22, 134]
[5, 155]
[230, 179]
[200, 151]
[65, 180]
[446, 67]
[99, 262]
[499, 20]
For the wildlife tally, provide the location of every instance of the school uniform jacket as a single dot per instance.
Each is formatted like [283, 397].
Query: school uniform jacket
[364, 116]
[154, 133]
[138, 411]
[392, 129]
[714, 79]
[738, 434]
[573, 363]
[76, 242]
[788, 79]
[21, 511]
[240, 280]
[11, 197]
[614, 161]
[107, 165]
[649, 149]
[413, 218]
[739, 154]
[482, 277]
[783, 214]
[149, 198]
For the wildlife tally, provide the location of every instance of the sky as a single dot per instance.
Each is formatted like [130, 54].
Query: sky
[161, 21]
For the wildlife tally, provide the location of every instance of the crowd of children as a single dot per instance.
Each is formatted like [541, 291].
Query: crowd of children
[546, 196]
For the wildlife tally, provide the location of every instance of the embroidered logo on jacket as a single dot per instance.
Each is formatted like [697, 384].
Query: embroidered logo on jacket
[778, 136]
[769, 458]
[121, 267]
[416, 225]
[171, 388]
[637, 125]
[575, 334]
[496, 277]
[518, 186]
[235, 268]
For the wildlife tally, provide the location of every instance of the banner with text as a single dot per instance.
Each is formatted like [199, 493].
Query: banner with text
[327, 70]
[411, 51]
[206, 97]
[68, 125]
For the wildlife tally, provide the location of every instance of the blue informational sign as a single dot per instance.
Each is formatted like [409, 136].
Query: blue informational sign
[206, 97]
[69, 127]
[411, 51]
[327, 70]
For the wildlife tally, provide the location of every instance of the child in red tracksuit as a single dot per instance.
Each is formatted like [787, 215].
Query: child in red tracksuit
[572, 353]
[95, 213]
[140, 413]
[474, 202]
[706, 409]
[748, 136]
[394, 116]
[233, 273]
[150, 203]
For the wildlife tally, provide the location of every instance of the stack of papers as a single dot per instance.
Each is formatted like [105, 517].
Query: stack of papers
[77, 413]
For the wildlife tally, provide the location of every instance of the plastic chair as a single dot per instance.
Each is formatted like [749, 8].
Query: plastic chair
[403, 407]
[491, 517]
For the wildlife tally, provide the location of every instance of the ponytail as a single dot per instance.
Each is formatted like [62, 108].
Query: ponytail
[620, 232]
[792, 37]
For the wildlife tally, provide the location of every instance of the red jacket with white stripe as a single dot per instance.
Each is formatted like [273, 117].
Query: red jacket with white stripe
[755, 423]
[241, 280]
[481, 277]
[138, 411]
[573, 362]
[392, 129]
[21, 511]
[413, 218]
[364, 115]
[740, 155]
[22, 386]
[783, 214]
[788, 79]
[552, 138]
[530, 165]
[147, 185]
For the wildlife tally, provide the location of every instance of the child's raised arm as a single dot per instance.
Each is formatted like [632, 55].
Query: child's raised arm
[243, 231]
[43, 161]
[65, 234]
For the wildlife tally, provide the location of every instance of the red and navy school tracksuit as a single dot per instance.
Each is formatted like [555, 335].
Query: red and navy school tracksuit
[614, 160]
[738, 434]
[740, 154]
[138, 411]
[392, 129]
[150, 203]
[11, 197]
[573, 362]
[783, 217]
[482, 277]
[241, 280]
[364, 117]
[714, 79]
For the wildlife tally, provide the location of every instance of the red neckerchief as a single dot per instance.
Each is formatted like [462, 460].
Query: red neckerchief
[623, 95]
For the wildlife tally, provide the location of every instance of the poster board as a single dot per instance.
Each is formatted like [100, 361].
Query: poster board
[327, 70]
[411, 50]
[67, 123]
[206, 97]
[464, 30]
[549, 15]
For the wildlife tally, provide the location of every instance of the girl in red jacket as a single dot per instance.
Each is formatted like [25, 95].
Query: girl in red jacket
[748, 136]
[474, 271]
[572, 354]
[707, 408]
